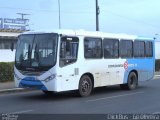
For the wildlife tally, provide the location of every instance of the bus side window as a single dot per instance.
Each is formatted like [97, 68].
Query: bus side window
[149, 49]
[110, 47]
[68, 50]
[126, 48]
[93, 48]
[139, 49]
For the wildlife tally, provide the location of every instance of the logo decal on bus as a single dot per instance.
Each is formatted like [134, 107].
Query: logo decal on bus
[126, 65]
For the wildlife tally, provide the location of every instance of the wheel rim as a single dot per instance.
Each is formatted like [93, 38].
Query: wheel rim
[85, 86]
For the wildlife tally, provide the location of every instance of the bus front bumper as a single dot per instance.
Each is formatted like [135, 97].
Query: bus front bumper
[30, 82]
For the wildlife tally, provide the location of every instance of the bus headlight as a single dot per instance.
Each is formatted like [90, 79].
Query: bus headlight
[50, 78]
[17, 77]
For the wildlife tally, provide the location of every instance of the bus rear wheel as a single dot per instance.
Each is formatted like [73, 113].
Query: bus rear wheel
[85, 86]
[132, 82]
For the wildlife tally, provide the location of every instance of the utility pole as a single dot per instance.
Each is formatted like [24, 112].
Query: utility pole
[97, 16]
[24, 19]
[59, 9]
[22, 15]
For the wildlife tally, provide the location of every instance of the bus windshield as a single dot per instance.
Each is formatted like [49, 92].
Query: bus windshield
[36, 52]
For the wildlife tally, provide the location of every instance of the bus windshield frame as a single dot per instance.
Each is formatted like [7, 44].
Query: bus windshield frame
[36, 52]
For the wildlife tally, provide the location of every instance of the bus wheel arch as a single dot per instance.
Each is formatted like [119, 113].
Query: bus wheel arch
[136, 72]
[86, 85]
[132, 81]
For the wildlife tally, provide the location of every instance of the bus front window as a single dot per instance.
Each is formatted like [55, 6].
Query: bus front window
[36, 52]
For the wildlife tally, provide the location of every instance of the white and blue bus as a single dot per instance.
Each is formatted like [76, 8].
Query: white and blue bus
[64, 60]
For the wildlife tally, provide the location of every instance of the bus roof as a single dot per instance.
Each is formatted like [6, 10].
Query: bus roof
[90, 34]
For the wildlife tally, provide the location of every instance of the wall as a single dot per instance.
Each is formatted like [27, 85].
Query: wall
[157, 49]
[7, 56]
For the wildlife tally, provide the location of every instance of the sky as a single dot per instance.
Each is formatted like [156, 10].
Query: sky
[139, 17]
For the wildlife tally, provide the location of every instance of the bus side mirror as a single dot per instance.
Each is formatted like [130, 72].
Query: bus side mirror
[12, 46]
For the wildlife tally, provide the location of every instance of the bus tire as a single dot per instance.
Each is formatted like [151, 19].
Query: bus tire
[132, 82]
[85, 86]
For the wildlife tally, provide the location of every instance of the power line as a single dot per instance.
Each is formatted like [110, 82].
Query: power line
[27, 9]
[22, 15]
[133, 19]
[50, 11]
[86, 12]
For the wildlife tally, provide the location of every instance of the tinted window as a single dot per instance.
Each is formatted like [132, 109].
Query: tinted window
[92, 47]
[68, 50]
[126, 48]
[139, 49]
[110, 48]
[149, 49]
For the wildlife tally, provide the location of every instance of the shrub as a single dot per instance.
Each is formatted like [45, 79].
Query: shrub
[6, 71]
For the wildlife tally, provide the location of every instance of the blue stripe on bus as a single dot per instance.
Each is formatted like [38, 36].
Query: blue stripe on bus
[139, 64]
[31, 82]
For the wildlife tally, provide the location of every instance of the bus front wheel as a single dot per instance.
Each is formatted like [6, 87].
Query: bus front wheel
[132, 82]
[85, 86]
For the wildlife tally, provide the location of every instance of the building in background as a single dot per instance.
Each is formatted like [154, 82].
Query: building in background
[157, 49]
[9, 31]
